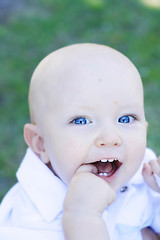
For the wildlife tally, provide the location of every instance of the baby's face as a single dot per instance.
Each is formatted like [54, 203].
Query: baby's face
[96, 116]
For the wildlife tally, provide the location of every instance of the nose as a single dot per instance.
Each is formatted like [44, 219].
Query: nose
[108, 138]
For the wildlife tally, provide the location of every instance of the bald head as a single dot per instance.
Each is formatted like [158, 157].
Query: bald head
[70, 65]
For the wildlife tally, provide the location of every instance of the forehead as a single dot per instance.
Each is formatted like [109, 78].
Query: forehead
[91, 75]
[82, 73]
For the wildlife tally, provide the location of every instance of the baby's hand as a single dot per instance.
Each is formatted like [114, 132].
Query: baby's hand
[88, 193]
[87, 197]
[151, 174]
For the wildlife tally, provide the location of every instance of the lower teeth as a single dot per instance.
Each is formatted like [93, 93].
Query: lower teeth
[103, 174]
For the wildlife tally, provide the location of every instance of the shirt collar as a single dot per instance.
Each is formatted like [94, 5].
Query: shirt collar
[46, 191]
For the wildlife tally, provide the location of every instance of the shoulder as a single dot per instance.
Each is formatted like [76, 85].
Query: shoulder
[8, 202]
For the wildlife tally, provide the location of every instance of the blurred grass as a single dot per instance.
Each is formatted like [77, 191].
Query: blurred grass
[30, 29]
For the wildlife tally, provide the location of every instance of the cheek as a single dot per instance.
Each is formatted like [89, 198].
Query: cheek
[76, 143]
[136, 144]
[66, 155]
[137, 138]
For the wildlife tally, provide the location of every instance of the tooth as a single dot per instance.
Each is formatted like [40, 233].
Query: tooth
[111, 160]
[103, 174]
[103, 160]
[100, 174]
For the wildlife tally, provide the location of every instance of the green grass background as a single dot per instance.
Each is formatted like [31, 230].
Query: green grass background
[31, 29]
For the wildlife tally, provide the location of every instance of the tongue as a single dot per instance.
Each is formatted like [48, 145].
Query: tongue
[105, 168]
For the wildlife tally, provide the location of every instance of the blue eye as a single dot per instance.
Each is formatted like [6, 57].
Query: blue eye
[126, 119]
[81, 121]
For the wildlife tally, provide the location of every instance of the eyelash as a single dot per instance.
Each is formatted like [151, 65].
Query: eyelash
[135, 118]
[88, 121]
[80, 117]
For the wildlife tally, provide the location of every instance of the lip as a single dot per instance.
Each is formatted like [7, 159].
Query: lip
[108, 170]
[110, 178]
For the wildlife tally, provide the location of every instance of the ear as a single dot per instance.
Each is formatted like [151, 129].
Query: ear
[34, 140]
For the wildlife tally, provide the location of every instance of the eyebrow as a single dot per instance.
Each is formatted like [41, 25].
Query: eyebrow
[85, 107]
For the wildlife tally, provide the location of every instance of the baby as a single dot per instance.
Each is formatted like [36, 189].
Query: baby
[87, 147]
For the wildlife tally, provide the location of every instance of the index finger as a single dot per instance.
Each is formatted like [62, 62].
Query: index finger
[87, 168]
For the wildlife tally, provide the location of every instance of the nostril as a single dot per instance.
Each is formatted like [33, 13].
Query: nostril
[118, 141]
[108, 142]
[102, 144]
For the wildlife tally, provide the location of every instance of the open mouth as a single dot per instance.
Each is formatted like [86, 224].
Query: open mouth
[107, 168]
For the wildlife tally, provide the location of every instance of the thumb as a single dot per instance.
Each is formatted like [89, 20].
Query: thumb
[87, 168]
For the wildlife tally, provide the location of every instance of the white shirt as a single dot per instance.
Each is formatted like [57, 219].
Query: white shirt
[33, 208]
